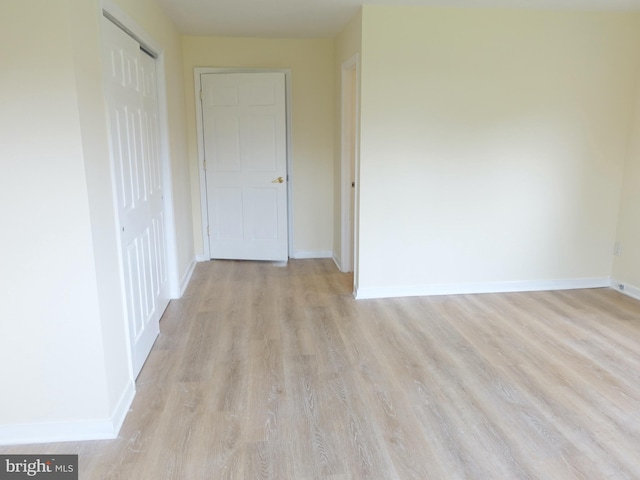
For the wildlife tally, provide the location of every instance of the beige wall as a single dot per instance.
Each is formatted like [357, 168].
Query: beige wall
[345, 46]
[51, 352]
[492, 146]
[311, 64]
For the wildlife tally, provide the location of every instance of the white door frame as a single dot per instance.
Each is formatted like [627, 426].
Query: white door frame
[118, 16]
[200, 133]
[348, 245]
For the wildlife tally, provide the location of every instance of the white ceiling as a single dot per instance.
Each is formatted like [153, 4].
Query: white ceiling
[325, 18]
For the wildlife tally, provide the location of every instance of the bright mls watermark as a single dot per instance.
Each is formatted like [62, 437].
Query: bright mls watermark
[49, 467]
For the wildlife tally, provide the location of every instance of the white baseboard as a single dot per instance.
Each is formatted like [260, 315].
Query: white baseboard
[629, 290]
[471, 288]
[338, 263]
[300, 254]
[186, 278]
[74, 431]
[312, 254]
[122, 407]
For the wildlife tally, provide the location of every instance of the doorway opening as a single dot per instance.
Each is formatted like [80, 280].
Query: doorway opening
[350, 86]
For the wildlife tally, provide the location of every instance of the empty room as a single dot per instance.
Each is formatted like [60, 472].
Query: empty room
[320, 240]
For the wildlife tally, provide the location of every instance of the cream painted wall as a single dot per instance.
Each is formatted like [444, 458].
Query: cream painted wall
[345, 46]
[149, 15]
[51, 354]
[311, 64]
[626, 267]
[492, 146]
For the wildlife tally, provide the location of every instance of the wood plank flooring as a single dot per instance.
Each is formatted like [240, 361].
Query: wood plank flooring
[270, 372]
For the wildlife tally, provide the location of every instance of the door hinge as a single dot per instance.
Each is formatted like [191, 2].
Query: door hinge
[204, 164]
[207, 230]
[200, 95]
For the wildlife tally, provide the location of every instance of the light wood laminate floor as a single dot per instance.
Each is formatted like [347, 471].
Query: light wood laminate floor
[263, 371]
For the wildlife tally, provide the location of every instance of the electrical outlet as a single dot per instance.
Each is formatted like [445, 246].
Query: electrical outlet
[617, 249]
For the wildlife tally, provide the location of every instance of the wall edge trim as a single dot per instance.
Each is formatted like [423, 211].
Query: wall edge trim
[186, 278]
[74, 431]
[302, 254]
[474, 288]
[628, 290]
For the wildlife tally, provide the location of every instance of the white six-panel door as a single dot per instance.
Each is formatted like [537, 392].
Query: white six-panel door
[130, 76]
[245, 142]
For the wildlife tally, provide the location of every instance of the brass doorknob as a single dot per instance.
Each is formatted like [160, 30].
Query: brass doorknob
[278, 180]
